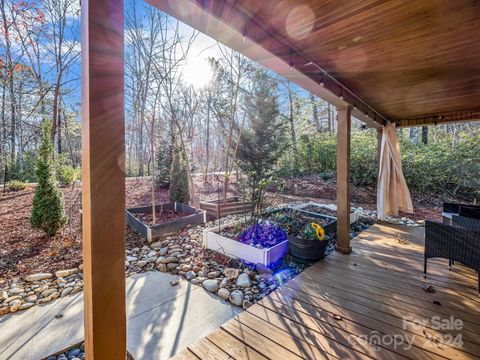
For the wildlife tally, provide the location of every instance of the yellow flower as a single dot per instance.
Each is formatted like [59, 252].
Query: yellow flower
[319, 231]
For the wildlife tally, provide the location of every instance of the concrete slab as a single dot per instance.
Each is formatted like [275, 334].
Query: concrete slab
[162, 320]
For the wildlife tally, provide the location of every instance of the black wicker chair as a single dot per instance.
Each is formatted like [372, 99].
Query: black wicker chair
[452, 209]
[457, 242]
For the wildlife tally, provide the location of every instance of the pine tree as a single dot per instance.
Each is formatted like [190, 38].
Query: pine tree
[264, 141]
[48, 213]
[179, 191]
[164, 162]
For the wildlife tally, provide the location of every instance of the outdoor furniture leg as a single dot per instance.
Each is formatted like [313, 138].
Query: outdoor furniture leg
[425, 266]
[450, 264]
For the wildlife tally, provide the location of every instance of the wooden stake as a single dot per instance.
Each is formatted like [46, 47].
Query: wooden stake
[103, 179]
[343, 179]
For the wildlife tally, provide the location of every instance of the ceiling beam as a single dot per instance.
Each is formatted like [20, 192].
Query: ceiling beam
[437, 119]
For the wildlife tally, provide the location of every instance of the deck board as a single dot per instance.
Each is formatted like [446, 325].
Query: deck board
[328, 310]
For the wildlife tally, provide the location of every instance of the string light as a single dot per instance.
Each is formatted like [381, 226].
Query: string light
[244, 34]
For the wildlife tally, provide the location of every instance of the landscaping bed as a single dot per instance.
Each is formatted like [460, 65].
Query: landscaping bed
[230, 240]
[172, 217]
[327, 210]
[219, 208]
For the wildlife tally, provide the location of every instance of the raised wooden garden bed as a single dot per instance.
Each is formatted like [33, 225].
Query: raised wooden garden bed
[191, 216]
[219, 208]
[331, 222]
[233, 248]
[330, 210]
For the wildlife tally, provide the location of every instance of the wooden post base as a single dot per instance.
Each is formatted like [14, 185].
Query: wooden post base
[344, 250]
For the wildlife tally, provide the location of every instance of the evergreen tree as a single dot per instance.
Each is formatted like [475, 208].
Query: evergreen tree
[48, 212]
[164, 162]
[263, 141]
[179, 191]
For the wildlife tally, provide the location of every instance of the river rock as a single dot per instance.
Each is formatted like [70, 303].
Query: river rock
[26, 306]
[210, 285]
[236, 297]
[246, 304]
[16, 291]
[47, 293]
[31, 298]
[151, 259]
[166, 260]
[3, 295]
[244, 280]
[225, 282]
[186, 267]
[4, 310]
[142, 263]
[172, 266]
[15, 305]
[11, 298]
[66, 291]
[65, 273]
[190, 275]
[38, 277]
[162, 267]
[213, 274]
[223, 293]
[231, 273]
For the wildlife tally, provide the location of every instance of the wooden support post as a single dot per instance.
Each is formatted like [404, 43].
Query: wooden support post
[343, 179]
[103, 179]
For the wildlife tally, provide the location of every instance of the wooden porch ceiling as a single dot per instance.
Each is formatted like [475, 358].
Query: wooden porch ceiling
[412, 62]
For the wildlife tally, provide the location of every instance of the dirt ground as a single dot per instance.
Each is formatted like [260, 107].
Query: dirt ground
[24, 250]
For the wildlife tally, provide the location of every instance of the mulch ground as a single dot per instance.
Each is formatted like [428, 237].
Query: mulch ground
[160, 216]
[24, 250]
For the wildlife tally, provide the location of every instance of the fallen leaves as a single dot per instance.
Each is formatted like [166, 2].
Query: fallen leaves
[429, 289]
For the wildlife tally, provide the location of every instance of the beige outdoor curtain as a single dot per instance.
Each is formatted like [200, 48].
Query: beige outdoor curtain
[392, 191]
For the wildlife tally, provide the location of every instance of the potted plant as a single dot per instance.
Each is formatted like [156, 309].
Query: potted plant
[309, 244]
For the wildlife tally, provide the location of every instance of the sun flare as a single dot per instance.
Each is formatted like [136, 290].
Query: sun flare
[197, 73]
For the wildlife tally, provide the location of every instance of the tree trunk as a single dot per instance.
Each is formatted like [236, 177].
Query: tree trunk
[425, 135]
[10, 73]
[207, 141]
[152, 151]
[329, 114]
[59, 132]
[315, 117]
[293, 135]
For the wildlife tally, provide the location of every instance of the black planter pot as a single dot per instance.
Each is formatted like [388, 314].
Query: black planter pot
[307, 249]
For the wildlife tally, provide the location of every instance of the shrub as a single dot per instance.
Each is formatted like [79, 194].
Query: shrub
[48, 213]
[163, 163]
[15, 185]
[67, 174]
[441, 166]
[179, 191]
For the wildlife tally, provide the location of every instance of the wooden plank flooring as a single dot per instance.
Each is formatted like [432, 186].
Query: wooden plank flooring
[370, 304]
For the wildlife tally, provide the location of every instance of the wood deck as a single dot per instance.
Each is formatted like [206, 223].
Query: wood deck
[377, 292]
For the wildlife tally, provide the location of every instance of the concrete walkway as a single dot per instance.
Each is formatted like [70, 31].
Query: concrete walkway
[162, 320]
